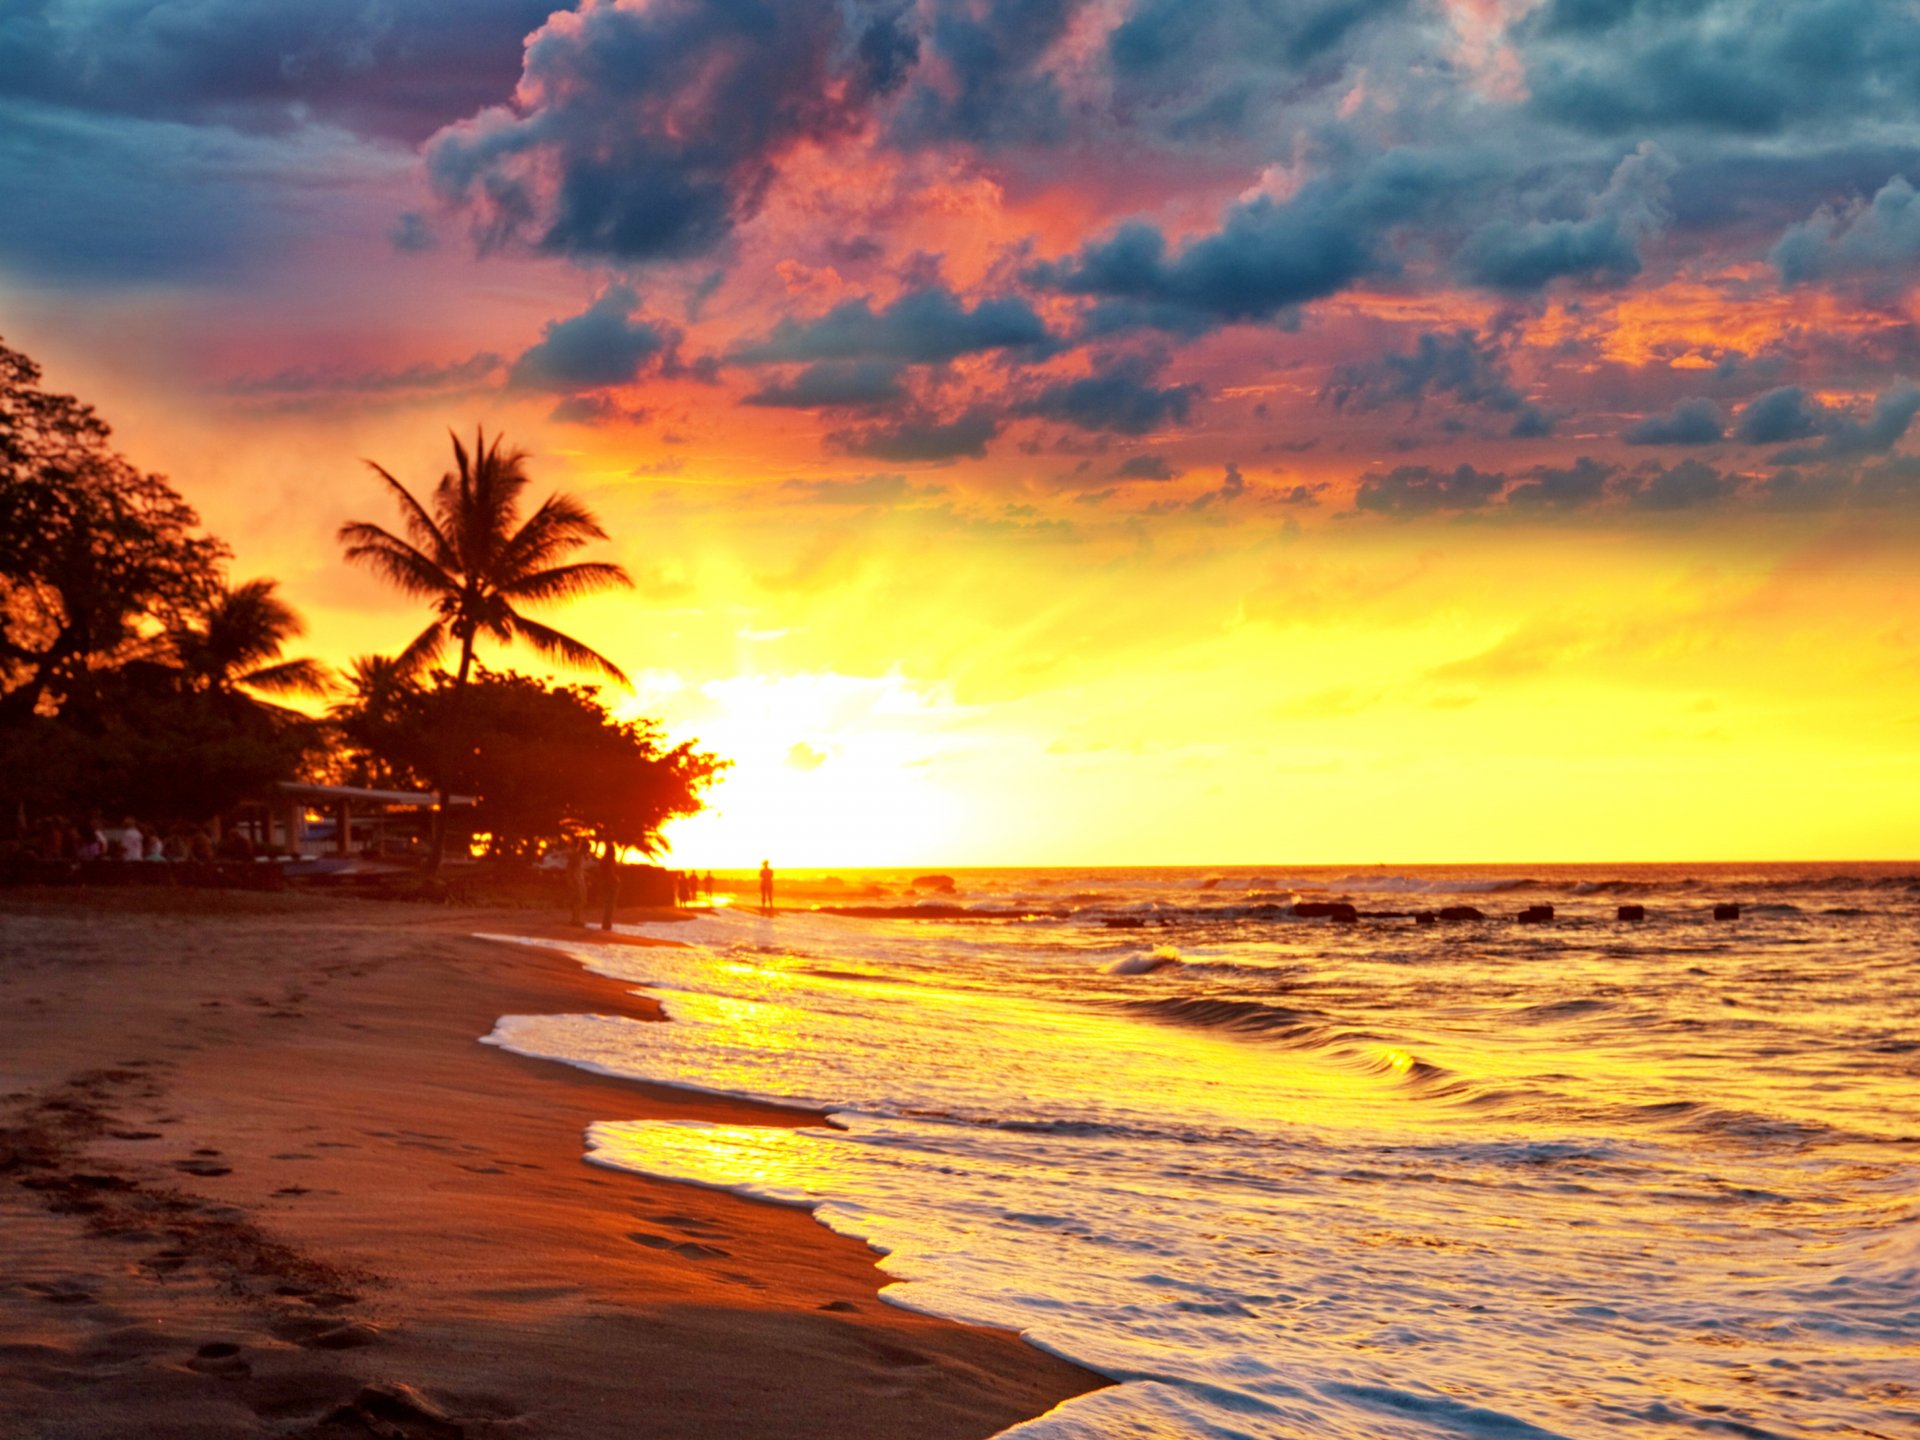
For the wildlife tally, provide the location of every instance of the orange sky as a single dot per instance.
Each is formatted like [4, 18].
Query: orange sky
[1076, 553]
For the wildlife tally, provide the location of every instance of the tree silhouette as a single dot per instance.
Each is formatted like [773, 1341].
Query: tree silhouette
[96, 557]
[469, 554]
[233, 645]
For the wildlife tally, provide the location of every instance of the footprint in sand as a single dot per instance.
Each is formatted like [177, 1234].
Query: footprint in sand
[220, 1357]
[206, 1169]
[692, 1249]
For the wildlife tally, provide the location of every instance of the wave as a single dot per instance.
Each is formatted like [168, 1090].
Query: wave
[1161, 957]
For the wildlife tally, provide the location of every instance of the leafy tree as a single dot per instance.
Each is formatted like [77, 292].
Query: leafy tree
[545, 761]
[468, 552]
[232, 644]
[97, 558]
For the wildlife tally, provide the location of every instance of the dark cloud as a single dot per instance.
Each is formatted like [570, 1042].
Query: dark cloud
[603, 345]
[642, 133]
[853, 385]
[1780, 415]
[1119, 397]
[1177, 39]
[1144, 467]
[1458, 363]
[1266, 258]
[1421, 490]
[987, 75]
[1568, 487]
[1879, 239]
[1231, 487]
[1605, 245]
[1846, 438]
[1685, 486]
[596, 410]
[1697, 421]
[117, 201]
[401, 68]
[1726, 67]
[410, 234]
[923, 437]
[922, 327]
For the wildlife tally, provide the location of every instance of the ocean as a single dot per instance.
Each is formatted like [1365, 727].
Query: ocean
[1368, 1180]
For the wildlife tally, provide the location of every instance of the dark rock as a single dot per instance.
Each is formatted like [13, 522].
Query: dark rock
[1631, 912]
[1423, 917]
[940, 884]
[1726, 912]
[1124, 922]
[1325, 910]
[1535, 915]
[1461, 912]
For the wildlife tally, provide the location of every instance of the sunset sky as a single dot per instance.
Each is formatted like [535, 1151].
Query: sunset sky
[1046, 432]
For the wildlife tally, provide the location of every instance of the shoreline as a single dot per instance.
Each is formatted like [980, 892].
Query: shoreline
[260, 1178]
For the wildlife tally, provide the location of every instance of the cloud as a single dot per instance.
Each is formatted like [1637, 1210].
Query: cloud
[647, 132]
[1178, 38]
[986, 75]
[603, 345]
[1567, 487]
[1782, 414]
[861, 490]
[1144, 467]
[424, 377]
[1456, 363]
[923, 437]
[1231, 487]
[852, 385]
[1420, 490]
[1685, 486]
[923, 327]
[400, 70]
[1505, 255]
[1119, 397]
[804, 757]
[1847, 438]
[1879, 239]
[1696, 421]
[596, 410]
[1717, 67]
[411, 235]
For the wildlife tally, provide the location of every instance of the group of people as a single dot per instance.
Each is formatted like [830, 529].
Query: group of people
[61, 839]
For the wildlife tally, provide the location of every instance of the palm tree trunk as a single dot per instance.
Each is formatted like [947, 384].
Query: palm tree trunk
[440, 792]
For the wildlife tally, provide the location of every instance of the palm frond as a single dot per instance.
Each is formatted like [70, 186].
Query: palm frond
[306, 677]
[559, 527]
[423, 650]
[400, 563]
[568, 582]
[566, 649]
[427, 535]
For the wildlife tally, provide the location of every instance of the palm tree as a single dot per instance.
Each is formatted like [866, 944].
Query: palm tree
[468, 553]
[233, 645]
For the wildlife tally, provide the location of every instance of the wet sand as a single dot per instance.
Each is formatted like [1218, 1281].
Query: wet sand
[257, 1177]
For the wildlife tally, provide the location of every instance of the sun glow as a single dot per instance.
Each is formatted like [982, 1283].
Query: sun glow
[827, 769]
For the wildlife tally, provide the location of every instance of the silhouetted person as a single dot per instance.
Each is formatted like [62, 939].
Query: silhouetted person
[766, 886]
[707, 885]
[610, 882]
[577, 882]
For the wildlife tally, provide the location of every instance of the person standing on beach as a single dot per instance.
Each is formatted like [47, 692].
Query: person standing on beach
[766, 886]
[577, 882]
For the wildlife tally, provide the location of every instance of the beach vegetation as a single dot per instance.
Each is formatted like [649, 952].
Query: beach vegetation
[467, 551]
[98, 558]
[546, 762]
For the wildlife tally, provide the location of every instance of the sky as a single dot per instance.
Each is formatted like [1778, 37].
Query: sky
[1067, 431]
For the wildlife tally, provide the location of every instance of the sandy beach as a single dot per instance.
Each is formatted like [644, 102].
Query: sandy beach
[257, 1177]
